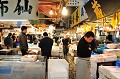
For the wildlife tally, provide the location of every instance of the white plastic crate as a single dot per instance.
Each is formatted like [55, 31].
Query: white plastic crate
[58, 69]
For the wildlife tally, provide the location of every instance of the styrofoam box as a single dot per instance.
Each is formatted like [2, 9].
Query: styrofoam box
[109, 71]
[55, 51]
[75, 59]
[22, 70]
[93, 68]
[104, 71]
[29, 58]
[110, 58]
[111, 46]
[34, 47]
[58, 69]
[103, 76]
[111, 51]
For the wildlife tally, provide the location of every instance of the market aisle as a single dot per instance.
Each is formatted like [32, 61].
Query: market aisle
[72, 67]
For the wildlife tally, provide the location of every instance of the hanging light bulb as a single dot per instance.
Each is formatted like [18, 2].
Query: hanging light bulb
[97, 24]
[64, 11]
[55, 13]
[119, 23]
[51, 12]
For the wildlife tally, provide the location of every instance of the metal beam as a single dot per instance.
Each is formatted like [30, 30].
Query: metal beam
[45, 18]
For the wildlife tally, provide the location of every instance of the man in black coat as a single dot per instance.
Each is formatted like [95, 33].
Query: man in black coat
[66, 41]
[86, 45]
[46, 45]
[9, 41]
[23, 41]
[84, 49]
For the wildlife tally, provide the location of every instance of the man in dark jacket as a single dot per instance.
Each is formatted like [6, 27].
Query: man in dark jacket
[86, 45]
[46, 45]
[23, 41]
[9, 41]
[66, 41]
[84, 49]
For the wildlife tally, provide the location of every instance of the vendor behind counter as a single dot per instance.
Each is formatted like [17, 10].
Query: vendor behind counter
[86, 45]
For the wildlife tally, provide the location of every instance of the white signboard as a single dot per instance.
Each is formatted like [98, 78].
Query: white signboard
[76, 2]
[18, 9]
[83, 14]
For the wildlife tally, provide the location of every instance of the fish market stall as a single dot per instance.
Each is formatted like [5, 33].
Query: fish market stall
[18, 67]
[93, 64]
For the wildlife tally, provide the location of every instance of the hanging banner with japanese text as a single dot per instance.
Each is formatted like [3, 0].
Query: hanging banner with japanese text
[83, 14]
[97, 9]
[76, 17]
[18, 9]
[79, 15]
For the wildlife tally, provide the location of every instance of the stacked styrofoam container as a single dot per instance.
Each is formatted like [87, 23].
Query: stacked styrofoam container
[100, 58]
[115, 51]
[75, 59]
[22, 70]
[109, 72]
[29, 58]
[105, 57]
[55, 51]
[93, 68]
[58, 69]
[34, 47]
[108, 57]
[61, 50]
[111, 46]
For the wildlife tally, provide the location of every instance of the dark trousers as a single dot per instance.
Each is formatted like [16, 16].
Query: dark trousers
[24, 52]
[47, 55]
[65, 49]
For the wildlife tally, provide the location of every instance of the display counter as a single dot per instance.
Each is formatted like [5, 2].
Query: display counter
[112, 51]
[56, 50]
[11, 67]
[34, 47]
[5, 51]
[94, 63]
[12, 51]
[109, 72]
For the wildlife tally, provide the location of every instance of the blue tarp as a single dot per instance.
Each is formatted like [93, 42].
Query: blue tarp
[118, 63]
[5, 69]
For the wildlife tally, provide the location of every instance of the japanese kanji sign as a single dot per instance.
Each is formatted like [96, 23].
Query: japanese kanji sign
[83, 14]
[18, 9]
[97, 9]
[78, 15]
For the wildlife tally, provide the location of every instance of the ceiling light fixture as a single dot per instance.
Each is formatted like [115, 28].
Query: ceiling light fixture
[51, 12]
[64, 11]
